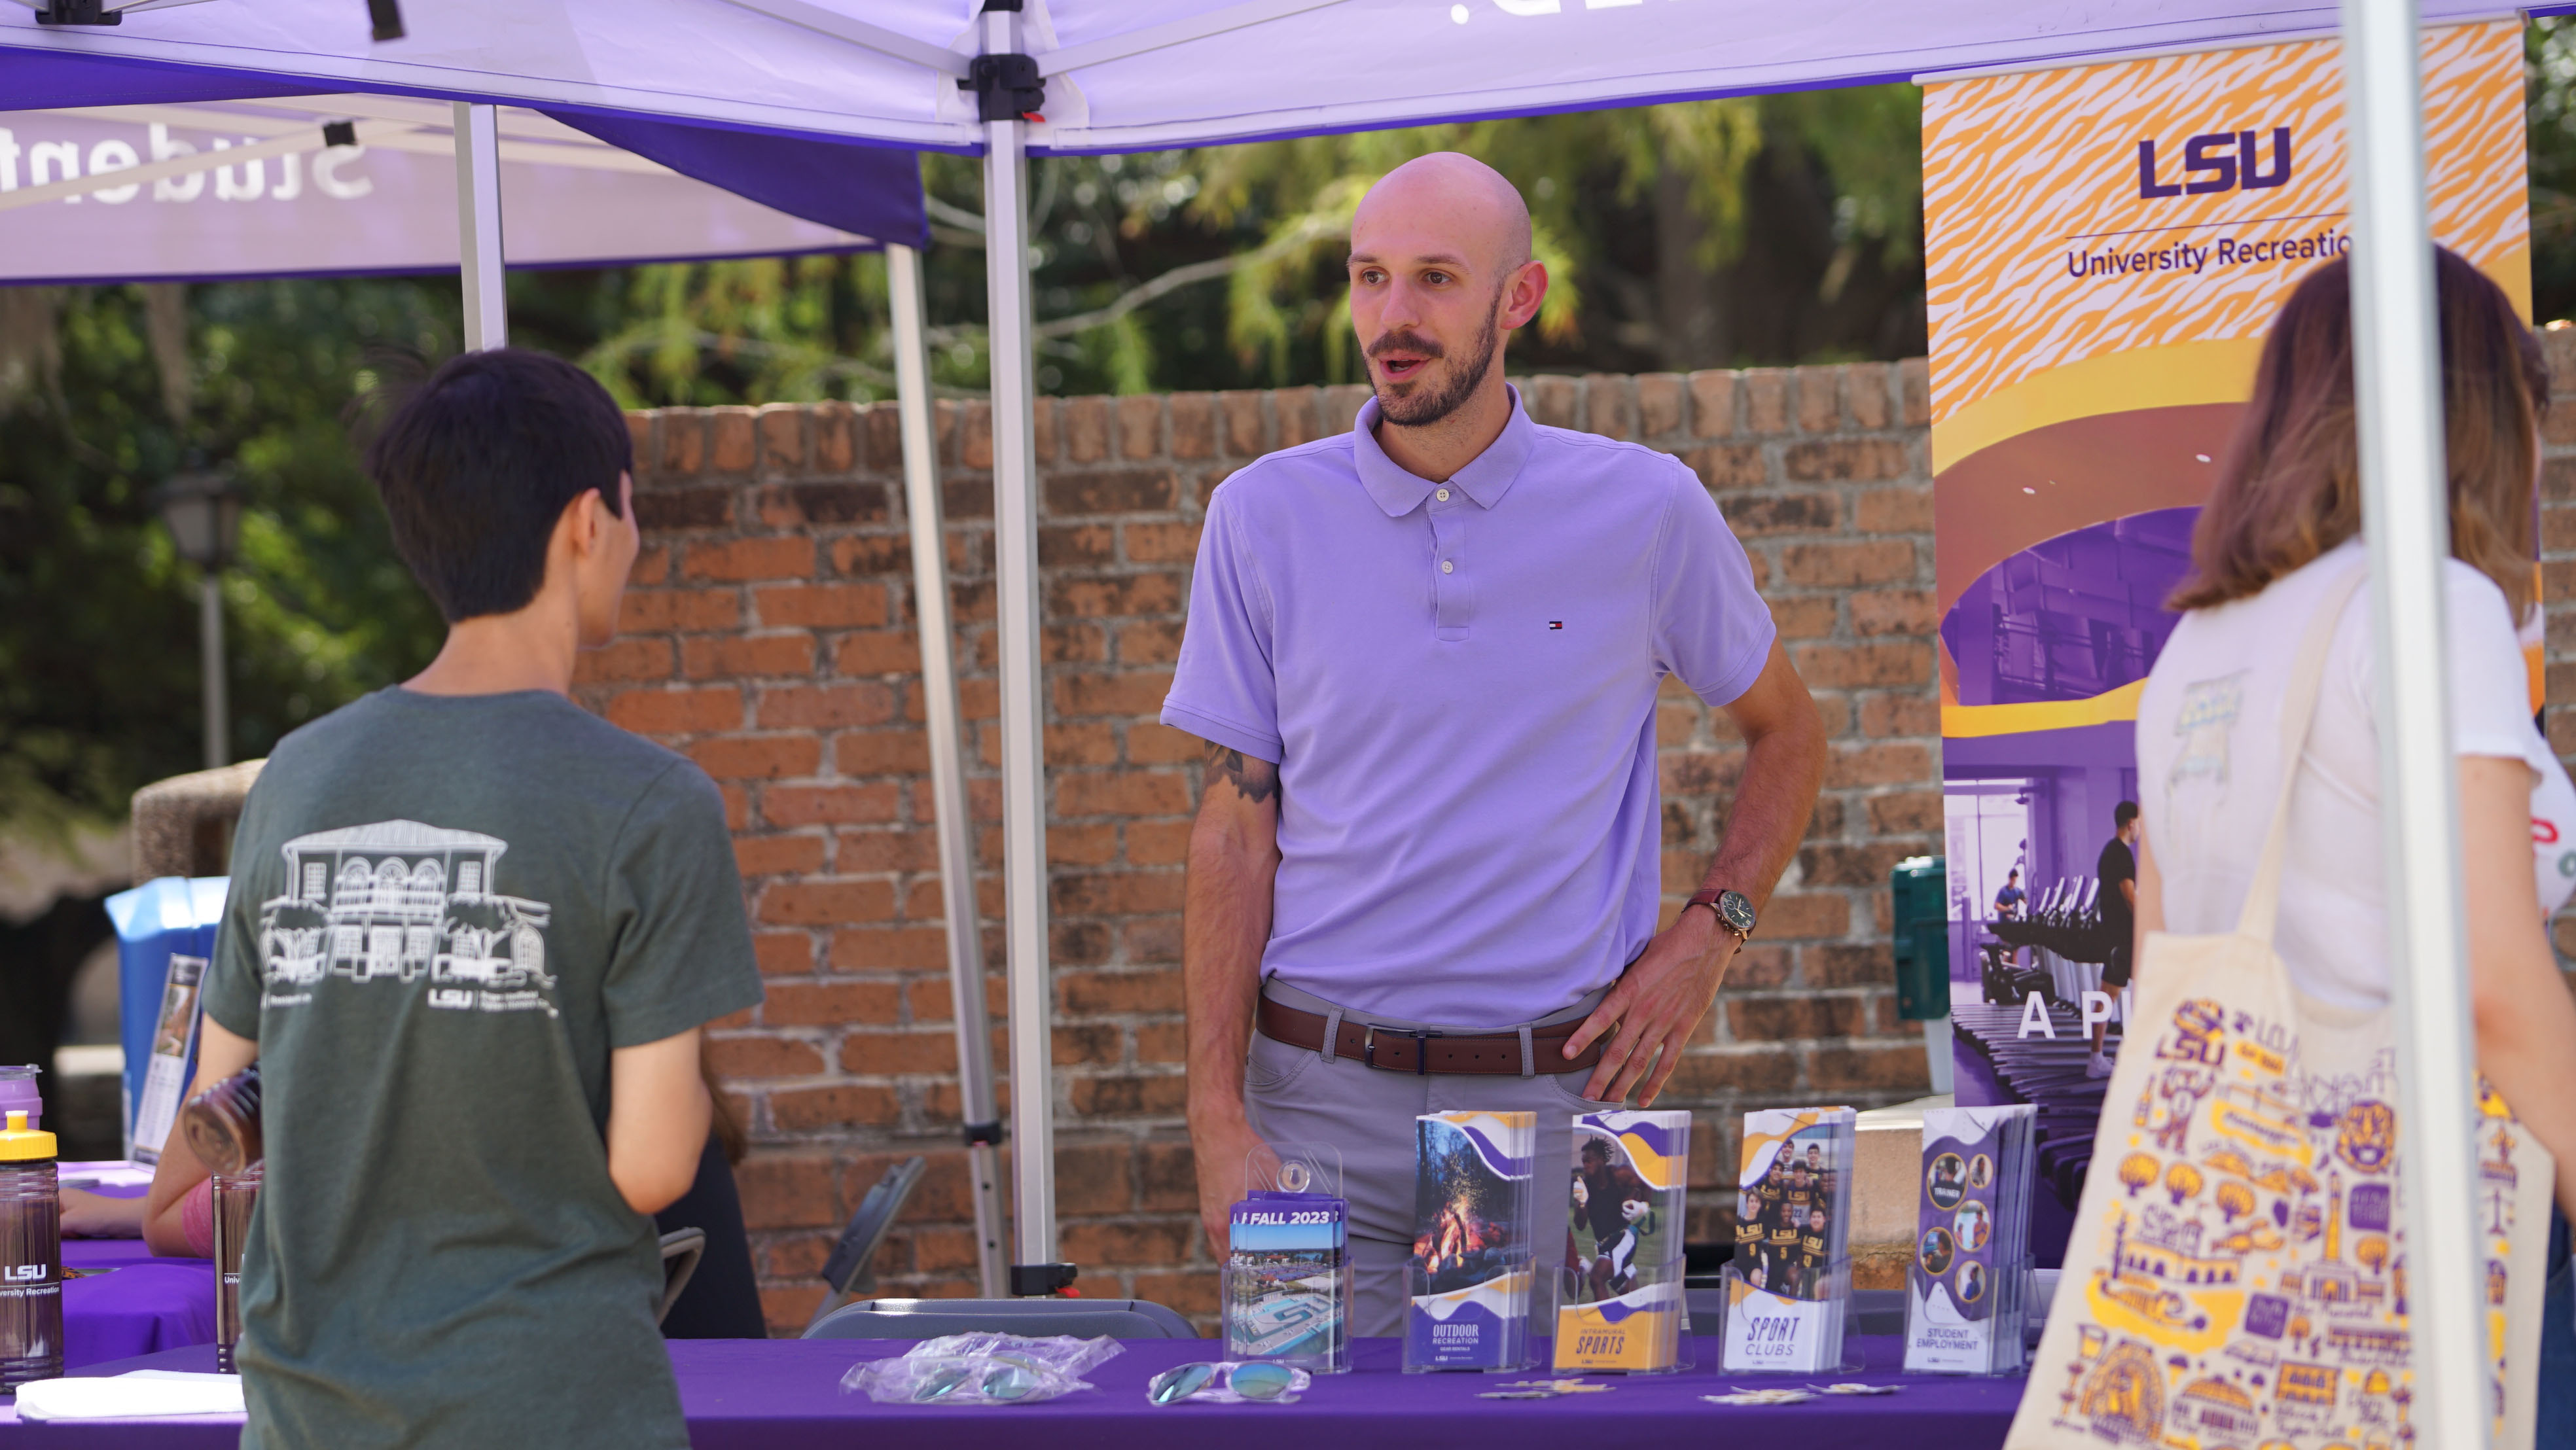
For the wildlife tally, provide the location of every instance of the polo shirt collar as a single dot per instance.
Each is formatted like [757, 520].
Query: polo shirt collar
[1486, 478]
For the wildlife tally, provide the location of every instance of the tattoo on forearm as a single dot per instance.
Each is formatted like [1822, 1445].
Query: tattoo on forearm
[1255, 779]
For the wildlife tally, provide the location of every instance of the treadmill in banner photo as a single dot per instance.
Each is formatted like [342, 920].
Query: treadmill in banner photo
[2068, 946]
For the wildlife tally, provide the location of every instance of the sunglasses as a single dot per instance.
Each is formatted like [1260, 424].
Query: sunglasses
[1000, 1379]
[1251, 1381]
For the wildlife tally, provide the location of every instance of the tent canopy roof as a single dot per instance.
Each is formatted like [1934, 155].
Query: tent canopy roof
[1332, 65]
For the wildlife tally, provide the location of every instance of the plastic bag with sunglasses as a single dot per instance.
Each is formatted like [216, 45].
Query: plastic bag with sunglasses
[981, 1369]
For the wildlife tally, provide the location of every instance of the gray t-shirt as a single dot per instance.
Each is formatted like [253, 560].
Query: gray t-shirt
[445, 912]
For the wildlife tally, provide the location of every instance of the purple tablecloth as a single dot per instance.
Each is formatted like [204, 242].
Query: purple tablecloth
[786, 1395]
[147, 1305]
[144, 1306]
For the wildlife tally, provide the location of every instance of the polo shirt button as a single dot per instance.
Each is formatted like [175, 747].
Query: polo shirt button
[1448, 568]
[1442, 495]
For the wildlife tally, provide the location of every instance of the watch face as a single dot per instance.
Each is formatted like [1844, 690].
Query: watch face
[1736, 911]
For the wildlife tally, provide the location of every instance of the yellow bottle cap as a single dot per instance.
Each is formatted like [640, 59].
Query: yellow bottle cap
[20, 1143]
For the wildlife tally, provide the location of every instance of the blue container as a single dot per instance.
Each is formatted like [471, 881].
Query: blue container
[174, 916]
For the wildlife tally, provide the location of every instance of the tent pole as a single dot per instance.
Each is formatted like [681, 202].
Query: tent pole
[2405, 513]
[478, 224]
[947, 760]
[1015, 569]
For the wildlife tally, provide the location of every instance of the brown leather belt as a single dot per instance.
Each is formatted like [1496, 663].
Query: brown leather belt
[1400, 1049]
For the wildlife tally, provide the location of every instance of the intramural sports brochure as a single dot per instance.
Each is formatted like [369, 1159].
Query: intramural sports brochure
[1619, 1305]
[1963, 1313]
[1471, 1272]
[1786, 1290]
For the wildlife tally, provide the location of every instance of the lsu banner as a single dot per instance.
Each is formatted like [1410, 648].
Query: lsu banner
[2106, 247]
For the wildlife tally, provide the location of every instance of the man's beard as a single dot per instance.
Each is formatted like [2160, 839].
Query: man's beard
[1424, 409]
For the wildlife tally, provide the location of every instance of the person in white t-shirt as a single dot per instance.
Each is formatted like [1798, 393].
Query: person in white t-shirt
[2282, 525]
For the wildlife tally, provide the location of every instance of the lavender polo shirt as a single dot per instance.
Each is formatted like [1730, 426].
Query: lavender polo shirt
[1458, 683]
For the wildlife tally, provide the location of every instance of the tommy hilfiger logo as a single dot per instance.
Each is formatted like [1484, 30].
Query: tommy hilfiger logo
[1556, 624]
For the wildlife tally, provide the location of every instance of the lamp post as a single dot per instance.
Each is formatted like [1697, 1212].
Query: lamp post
[202, 510]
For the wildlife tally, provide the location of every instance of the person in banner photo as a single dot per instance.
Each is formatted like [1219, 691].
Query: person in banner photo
[2282, 526]
[2118, 872]
[1426, 870]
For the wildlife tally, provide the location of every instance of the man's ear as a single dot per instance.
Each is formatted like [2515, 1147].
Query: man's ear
[1528, 289]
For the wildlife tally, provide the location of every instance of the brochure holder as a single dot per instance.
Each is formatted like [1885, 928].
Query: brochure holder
[1765, 1332]
[1286, 1282]
[1788, 1288]
[1471, 1277]
[1621, 1307]
[1968, 1288]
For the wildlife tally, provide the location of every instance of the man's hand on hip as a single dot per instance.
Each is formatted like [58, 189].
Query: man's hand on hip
[1219, 1144]
[1654, 1007]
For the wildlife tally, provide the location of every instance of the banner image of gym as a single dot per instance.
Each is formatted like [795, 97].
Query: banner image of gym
[2105, 247]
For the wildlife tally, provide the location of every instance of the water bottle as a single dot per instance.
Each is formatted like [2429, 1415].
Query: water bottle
[222, 1124]
[236, 1194]
[31, 1257]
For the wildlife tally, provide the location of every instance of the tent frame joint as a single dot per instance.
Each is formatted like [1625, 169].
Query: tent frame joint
[1006, 87]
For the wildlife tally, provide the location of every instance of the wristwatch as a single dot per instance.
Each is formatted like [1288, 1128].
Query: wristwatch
[1734, 912]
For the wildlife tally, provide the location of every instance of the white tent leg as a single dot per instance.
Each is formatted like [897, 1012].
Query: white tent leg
[478, 224]
[947, 760]
[2405, 512]
[1015, 568]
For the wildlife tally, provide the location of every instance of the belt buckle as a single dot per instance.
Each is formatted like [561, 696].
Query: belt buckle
[1421, 1047]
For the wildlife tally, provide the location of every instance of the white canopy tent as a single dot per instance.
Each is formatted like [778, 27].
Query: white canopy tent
[361, 184]
[1089, 75]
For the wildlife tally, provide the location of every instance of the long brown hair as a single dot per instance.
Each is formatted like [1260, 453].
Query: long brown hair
[2291, 485]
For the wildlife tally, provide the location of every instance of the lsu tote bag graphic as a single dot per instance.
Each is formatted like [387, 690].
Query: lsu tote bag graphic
[2237, 1274]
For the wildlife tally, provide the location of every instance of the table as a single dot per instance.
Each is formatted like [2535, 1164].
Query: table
[147, 1304]
[785, 1394]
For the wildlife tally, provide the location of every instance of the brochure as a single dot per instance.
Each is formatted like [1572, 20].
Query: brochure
[174, 1045]
[1785, 1304]
[1470, 1276]
[1963, 1310]
[1620, 1299]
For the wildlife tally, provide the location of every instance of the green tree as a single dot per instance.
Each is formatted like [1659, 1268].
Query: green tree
[98, 646]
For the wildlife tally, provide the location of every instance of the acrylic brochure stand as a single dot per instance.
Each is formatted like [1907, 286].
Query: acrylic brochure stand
[1471, 1278]
[1620, 1303]
[1768, 1333]
[1287, 1275]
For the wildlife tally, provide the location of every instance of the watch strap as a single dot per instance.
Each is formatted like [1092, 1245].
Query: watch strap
[1709, 899]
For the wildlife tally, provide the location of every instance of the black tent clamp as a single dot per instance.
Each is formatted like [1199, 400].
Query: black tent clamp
[1005, 87]
[78, 12]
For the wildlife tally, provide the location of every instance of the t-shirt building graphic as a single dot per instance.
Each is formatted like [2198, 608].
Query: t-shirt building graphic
[2106, 247]
[402, 900]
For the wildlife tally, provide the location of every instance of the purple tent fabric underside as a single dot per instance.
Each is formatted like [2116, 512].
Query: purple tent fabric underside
[856, 186]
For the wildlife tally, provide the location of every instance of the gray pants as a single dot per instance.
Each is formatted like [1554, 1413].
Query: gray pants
[1298, 1095]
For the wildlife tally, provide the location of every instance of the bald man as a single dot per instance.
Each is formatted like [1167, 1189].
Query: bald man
[1427, 868]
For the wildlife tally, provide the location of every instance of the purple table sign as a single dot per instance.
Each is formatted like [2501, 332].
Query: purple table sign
[785, 1394]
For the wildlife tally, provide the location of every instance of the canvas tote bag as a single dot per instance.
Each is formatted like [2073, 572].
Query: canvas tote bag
[2237, 1272]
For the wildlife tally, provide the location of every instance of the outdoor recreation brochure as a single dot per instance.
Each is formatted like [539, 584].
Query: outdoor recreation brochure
[1471, 1272]
[1964, 1309]
[1620, 1297]
[1790, 1281]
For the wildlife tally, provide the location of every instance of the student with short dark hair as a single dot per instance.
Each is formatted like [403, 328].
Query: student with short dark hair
[473, 934]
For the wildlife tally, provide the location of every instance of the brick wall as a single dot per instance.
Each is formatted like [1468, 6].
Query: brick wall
[770, 636]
